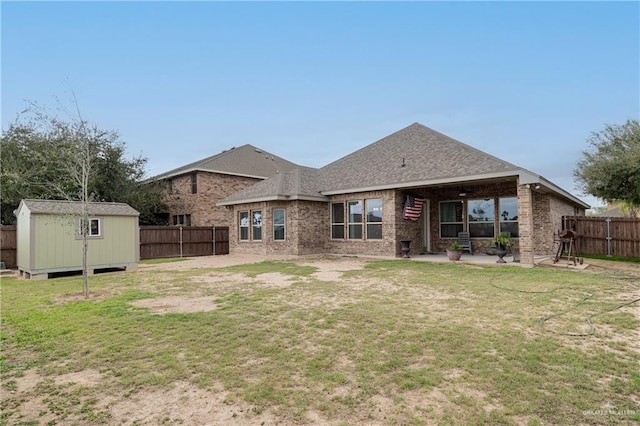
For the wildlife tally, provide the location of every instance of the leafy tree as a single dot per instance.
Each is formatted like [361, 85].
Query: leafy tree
[35, 154]
[610, 169]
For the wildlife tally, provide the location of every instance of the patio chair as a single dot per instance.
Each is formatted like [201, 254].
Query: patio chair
[464, 239]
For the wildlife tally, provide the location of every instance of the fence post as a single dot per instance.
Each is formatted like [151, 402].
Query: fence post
[180, 241]
[214, 240]
[608, 237]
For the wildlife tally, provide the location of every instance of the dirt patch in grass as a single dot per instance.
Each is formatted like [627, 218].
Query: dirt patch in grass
[274, 280]
[94, 295]
[211, 262]
[180, 304]
[85, 378]
[28, 381]
[331, 269]
[184, 403]
[599, 265]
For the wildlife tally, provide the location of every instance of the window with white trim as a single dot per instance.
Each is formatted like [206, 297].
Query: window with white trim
[451, 218]
[256, 222]
[337, 221]
[243, 226]
[278, 224]
[250, 225]
[374, 218]
[354, 219]
[93, 227]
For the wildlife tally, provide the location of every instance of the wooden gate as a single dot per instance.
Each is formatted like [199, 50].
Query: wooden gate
[171, 241]
[8, 246]
[608, 236]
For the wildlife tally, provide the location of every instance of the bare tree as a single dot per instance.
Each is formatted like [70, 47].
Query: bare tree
[76, 145]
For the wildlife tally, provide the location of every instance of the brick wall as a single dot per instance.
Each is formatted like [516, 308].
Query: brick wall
[384, 247]
[310, 223]
[306, 225]
[212, 187]
[548, 210]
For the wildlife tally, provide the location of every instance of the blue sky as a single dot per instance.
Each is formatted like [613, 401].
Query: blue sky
[525, 81]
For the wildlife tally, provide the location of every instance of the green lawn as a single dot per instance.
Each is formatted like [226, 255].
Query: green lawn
[396, 342]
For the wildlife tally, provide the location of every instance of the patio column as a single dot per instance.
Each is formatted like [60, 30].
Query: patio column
[525, 224]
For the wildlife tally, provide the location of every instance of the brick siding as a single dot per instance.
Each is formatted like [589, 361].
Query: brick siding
[306, 226]
[308, 223]
[212, 188]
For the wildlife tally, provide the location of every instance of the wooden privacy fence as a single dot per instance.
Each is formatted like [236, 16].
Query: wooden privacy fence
[609, 236]
[155, 242]
[8, 246]
[171, 241]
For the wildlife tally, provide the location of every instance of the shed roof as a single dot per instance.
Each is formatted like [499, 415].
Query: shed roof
[75, 207]
[246, 160]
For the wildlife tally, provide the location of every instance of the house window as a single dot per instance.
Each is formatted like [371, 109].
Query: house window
[278, 224]
[256, 222]
[194, 183]
[94, 227]
[508, 208]
[451, 219]
[355, 219]
[481, 216]
[182, 220]
[250, 225]
[244, 226]
[374, 218]
[337, 221]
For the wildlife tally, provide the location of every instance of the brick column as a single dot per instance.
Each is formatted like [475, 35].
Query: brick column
[525, 225]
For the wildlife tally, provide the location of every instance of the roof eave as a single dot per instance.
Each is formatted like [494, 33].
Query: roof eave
[196, 169]
[429, 182]
[310, 198]
[252, 200]
[274, 198]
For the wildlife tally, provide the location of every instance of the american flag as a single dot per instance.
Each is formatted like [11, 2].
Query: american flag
[412, 207]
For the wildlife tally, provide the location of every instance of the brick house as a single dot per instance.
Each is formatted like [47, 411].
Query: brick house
[415, 184]
[192, 191]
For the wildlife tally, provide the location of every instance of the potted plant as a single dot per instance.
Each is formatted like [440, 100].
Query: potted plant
[454, 251]
[502, 243]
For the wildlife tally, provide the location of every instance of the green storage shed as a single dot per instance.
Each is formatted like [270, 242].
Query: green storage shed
[49, 239]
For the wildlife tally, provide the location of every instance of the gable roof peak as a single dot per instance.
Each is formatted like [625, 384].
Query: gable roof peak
[413, 154]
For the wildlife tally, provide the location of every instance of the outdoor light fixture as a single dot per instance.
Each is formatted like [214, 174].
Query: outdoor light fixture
[462, 192]
[537, 186]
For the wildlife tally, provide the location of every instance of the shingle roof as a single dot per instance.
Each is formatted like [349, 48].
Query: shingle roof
[246, 160]
[412, 157]
[299, 183]
[75, 207]
[427, 155]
